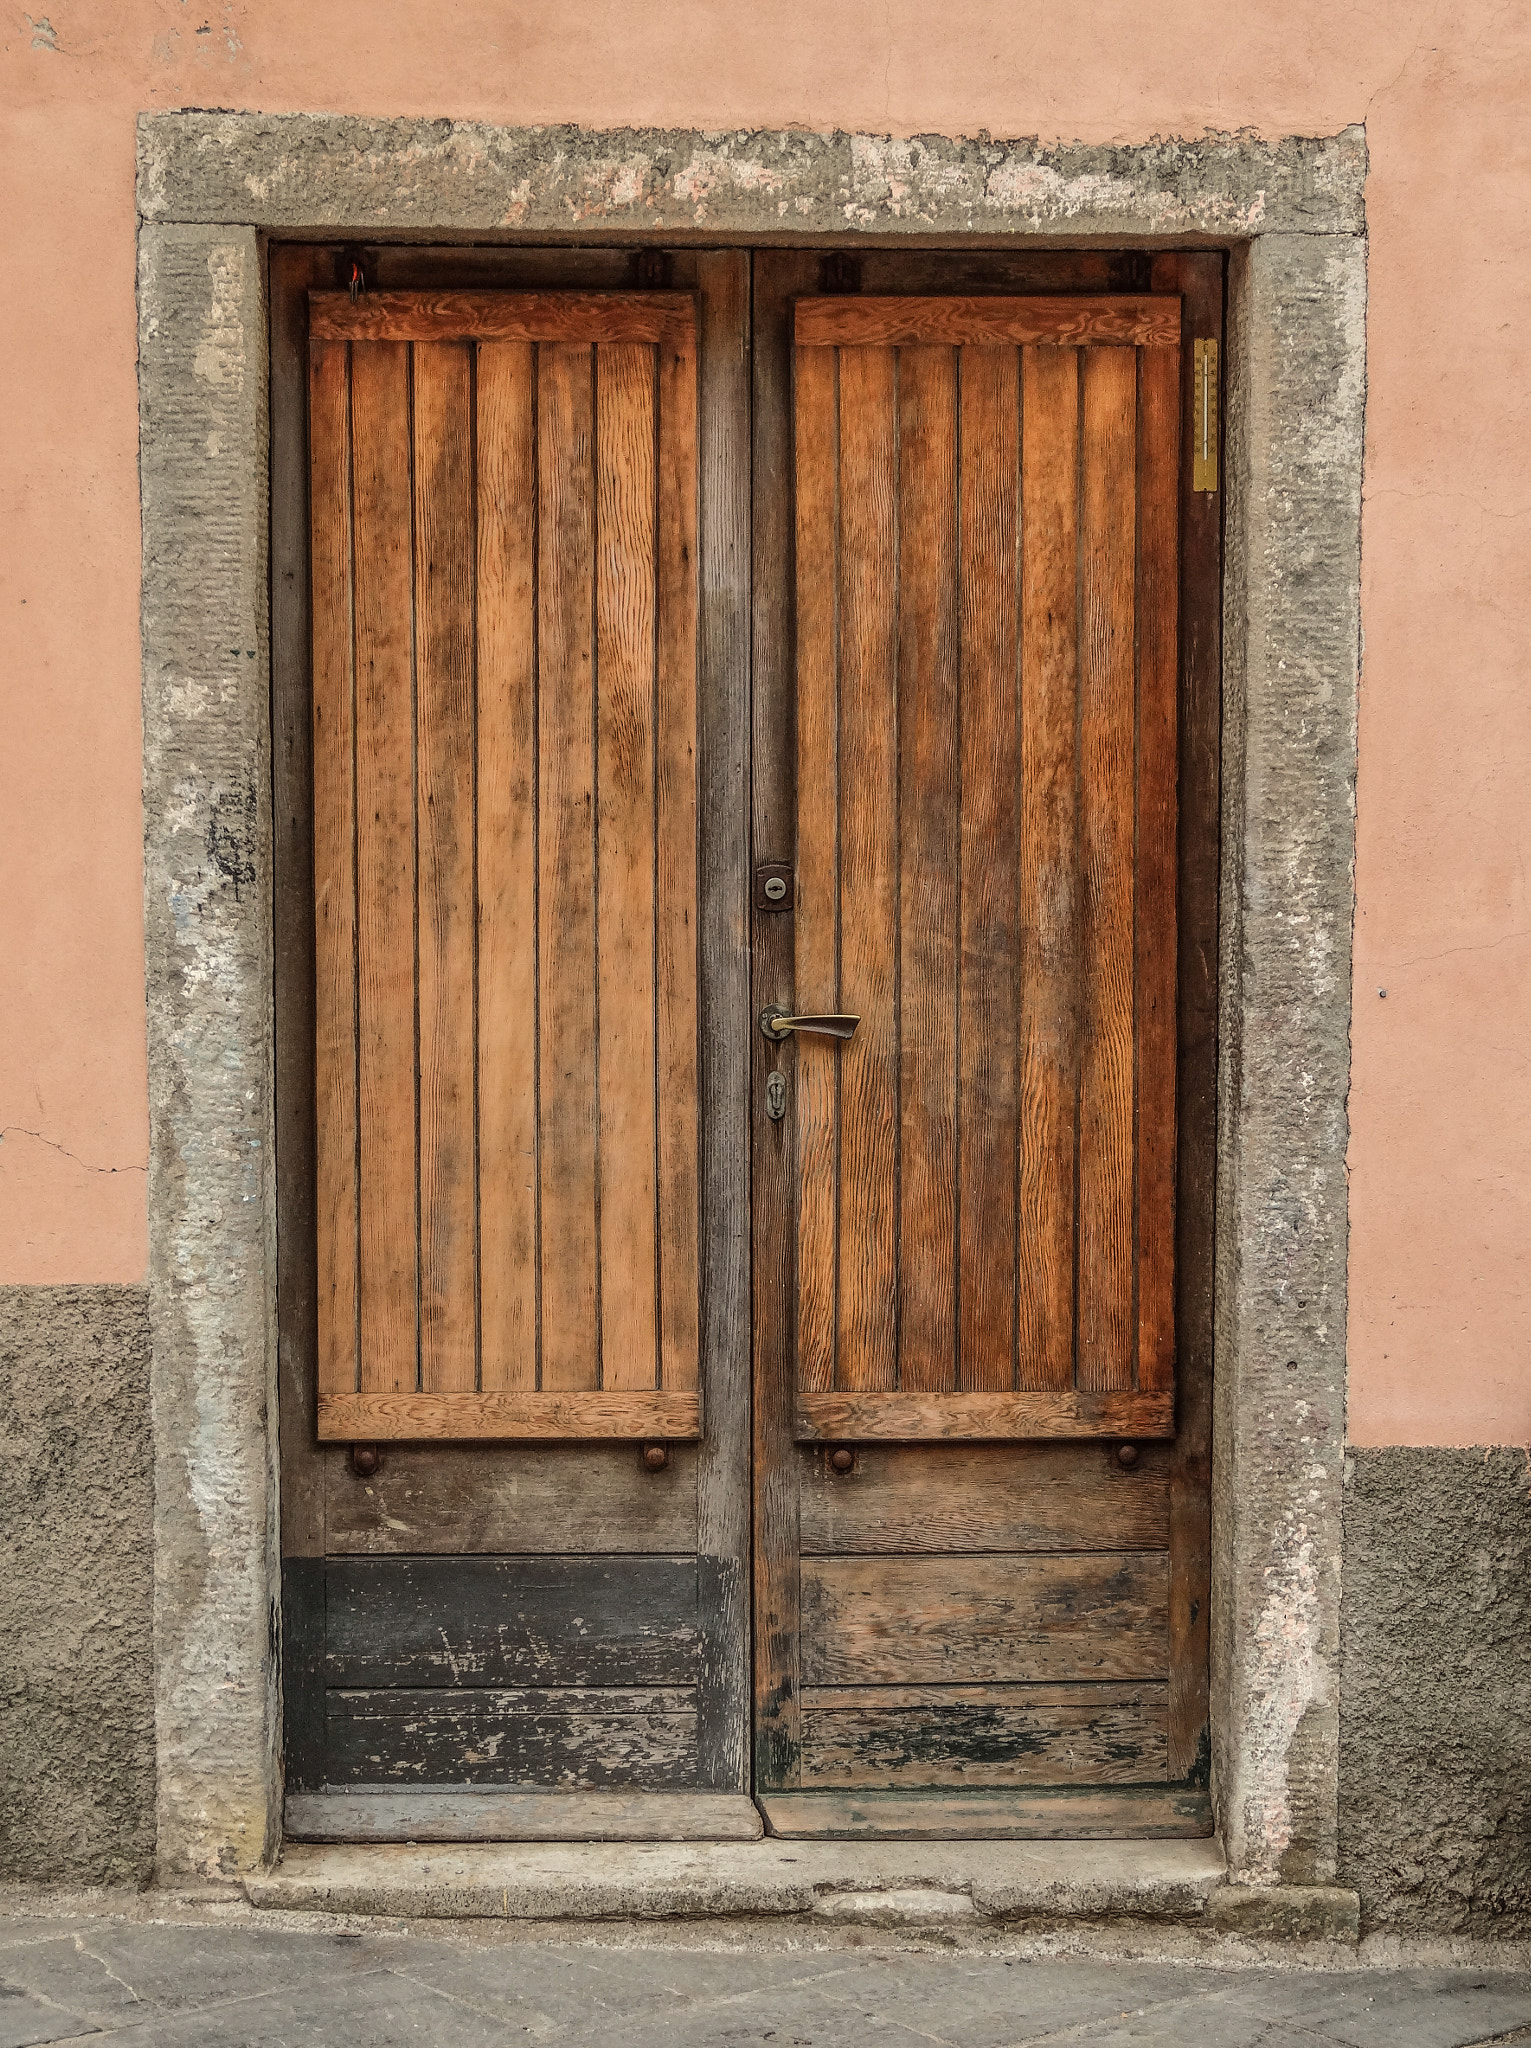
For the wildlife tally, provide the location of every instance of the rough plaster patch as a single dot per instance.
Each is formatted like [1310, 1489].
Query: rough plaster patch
[76, 1591]
[1435, 1716]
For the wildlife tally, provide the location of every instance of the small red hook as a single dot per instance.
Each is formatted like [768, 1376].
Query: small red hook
[358, 282]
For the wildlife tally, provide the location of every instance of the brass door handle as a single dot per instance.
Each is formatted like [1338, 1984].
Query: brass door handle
[776, 1024]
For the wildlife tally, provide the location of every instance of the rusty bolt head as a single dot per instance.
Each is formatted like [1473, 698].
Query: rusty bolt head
[365, 1460]
[841, 1458]
[1127, 1455]
[655, 1457]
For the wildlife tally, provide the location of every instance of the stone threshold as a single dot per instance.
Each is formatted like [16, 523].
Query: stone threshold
[887, 1882]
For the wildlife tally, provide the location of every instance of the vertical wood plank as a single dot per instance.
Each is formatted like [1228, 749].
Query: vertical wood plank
[566, 938]
[1049, 883]
[293, 269]
[625, 856]
[507, 855]
[444, 572]
[989, 1130]
[929, 888]
[334, 741]
[676, 799]
[1199, 279]
[816, 1078]
[1106, 688]
[1154, 922]
[385, 866]
[869, 714]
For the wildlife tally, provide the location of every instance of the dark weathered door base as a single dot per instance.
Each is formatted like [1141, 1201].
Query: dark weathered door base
[1067, 1815]
[485, 1813]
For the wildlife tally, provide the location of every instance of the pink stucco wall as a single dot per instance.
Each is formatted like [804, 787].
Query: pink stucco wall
[1440, 1313]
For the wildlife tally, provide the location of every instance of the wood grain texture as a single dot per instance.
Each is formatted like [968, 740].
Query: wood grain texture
[984, 1496]
[507, 866]
[385, 868]
[1199, 279]
[1155, 919]
[678, 1075]
[334, 810]
[548, 1498]
[929, 881]
[303, 1623]
[1107, 1345]
[580, 318]
[989, 937]
[567, 1086]
[958, 322]
[1038, 1413]
[567, 1739]
[868, 791]
[1049, 876]
[984, 1735]
[575, 1412]
[488, 1813]
[1135, 1812]
[445, 803]
[971, 1620]
[518, 1621]
[293, 948]
[815, 1068]
[625, 856]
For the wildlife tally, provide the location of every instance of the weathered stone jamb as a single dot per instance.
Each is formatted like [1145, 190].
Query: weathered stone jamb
[203, 382]
[1291, 213]
[1295, 407]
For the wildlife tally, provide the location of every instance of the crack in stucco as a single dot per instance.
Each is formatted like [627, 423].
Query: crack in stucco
[22, 1131]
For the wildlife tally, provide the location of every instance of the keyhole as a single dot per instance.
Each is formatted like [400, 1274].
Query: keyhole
[776, 1097]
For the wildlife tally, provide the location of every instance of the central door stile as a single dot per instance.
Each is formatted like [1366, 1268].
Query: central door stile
[723, 785]
[780, 277]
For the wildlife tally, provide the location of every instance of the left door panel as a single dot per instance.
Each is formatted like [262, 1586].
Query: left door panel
[491, 548]
[505, 862]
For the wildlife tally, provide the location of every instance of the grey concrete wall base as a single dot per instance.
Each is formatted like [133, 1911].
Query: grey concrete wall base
[76, 1578]
[206, 681]
[1285, 1912]
[1296, 391]
[1435, 1727]
[1292, 213]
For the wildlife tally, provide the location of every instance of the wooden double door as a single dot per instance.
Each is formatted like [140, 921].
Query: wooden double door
[745, 773]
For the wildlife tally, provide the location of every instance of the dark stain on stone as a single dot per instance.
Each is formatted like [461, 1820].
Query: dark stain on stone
[231, 836]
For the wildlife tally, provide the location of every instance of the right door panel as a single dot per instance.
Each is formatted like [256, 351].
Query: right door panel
[966, 1221]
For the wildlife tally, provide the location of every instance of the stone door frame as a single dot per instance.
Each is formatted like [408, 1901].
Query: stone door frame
[211, 189]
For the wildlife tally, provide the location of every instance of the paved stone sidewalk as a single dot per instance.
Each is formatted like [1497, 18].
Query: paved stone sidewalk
[224, 1982]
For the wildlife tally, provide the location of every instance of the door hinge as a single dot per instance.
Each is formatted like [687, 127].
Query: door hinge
[1204, 416]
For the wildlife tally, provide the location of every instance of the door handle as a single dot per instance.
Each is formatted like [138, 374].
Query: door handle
[776, 1024]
